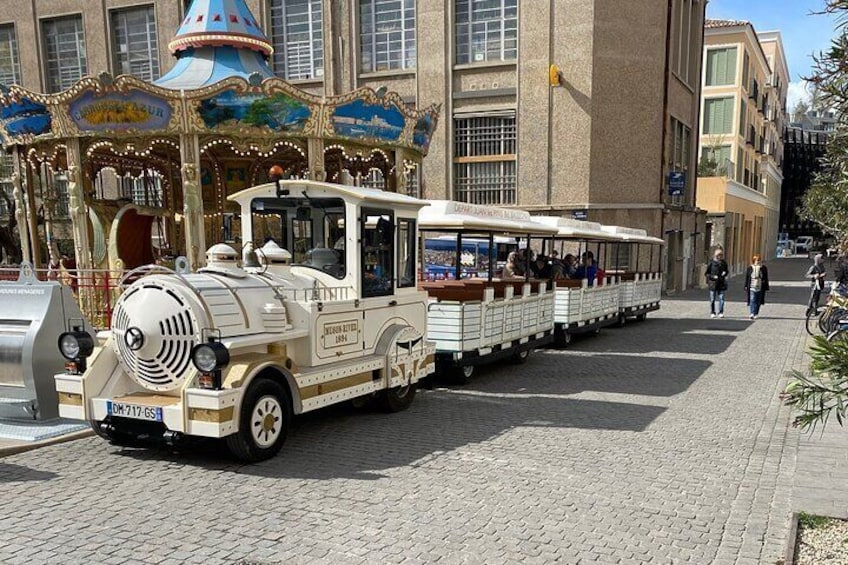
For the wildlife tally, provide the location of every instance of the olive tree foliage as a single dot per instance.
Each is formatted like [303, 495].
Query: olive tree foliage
[826, 202]
[822, 390]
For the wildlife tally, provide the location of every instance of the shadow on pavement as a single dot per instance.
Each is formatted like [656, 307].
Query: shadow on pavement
[343, 442]
[10, 473]
[621, 374]
[671, 336]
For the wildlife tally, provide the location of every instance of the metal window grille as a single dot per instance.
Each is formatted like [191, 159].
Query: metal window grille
[298, 38]
[484, 135]
[64, 51]
[374, 179]
[484, 159]
[10, 66]
[387, 35]
[486, 30]
[134, 42]
[6, 170]
[145, 190]
[60, 185]
[413, 182]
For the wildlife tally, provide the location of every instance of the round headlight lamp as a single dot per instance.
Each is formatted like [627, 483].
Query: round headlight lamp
[210, 356]
[76, 345]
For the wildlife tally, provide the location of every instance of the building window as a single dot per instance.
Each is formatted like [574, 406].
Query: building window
[721, 66]
[486, 30]
[682, 138]
[64, 52]
[684, 38]
[134, 43]
[387, 38]
[6, 171]
[10, 66]
[718, 115]
[484, 159]
[374, 179]
[298, 39]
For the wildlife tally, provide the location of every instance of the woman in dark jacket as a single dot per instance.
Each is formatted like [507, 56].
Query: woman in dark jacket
[756, 285]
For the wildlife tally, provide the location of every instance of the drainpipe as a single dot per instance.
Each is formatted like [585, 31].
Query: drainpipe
[667, 70]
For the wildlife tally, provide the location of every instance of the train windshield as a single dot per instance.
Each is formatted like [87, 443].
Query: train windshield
[311, 229]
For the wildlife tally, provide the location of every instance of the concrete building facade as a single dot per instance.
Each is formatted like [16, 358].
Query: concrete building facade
[613, 141]
[745, 82]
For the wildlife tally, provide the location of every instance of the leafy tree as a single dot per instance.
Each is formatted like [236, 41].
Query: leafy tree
[823, 390]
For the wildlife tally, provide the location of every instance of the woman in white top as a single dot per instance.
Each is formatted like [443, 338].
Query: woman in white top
[756, 285]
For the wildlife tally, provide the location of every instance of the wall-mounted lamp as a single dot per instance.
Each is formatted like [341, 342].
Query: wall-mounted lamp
[555, 76]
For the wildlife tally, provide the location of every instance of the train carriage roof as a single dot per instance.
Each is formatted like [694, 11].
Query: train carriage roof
[633, 235]
[362, 196]
[568, 228]
[448, 215]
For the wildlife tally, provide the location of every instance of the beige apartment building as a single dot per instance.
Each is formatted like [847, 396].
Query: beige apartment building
[745, 83]
[604, 142]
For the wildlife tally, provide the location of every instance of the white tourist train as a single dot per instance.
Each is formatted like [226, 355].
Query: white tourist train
[328, 308]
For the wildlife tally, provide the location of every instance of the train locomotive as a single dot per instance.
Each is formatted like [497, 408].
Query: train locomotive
[322, 308]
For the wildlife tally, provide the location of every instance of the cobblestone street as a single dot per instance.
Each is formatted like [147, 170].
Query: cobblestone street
[658, 442]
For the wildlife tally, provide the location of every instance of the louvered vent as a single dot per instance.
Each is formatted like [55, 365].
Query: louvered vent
[162, 359]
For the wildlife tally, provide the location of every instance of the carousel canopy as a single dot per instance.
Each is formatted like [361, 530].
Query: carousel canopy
[220, 85]
[218, 39]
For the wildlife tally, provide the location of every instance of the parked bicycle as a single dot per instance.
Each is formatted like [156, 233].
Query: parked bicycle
[826, 320]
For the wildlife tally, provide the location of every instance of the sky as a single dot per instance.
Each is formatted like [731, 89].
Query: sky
[803, 32]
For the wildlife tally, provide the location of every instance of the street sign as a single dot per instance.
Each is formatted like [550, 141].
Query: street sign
[580, 214]
[676, 183]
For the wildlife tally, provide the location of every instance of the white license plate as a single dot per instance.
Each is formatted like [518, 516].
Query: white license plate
[150, 413]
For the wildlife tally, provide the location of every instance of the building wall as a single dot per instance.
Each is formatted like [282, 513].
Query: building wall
[602, 141]
[751, 185]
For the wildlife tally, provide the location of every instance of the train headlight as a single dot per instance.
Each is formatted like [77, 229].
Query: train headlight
[209, 358]
[76, 346]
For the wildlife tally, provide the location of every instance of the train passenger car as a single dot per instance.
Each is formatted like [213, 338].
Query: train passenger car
[326, 311]
[638, 271]
[478, 320]
[588, 300]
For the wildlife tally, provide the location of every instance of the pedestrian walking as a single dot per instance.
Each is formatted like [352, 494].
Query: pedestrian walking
[816, 274]
[756, 286]
[717, 282]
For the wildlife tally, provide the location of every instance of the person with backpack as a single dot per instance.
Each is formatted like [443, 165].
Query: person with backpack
[717, 282]
[816, 274]
[756, 286]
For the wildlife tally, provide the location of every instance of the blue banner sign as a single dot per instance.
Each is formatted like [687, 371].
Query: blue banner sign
[676, 183]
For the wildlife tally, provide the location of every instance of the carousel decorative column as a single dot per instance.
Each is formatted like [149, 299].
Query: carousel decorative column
[400, 179]
[315, 154]
[20, 207]
[78, 209]
[192, 201]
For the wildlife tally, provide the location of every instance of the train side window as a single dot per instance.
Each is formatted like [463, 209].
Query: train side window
[377, 252]
[302, 239]
[406, 253]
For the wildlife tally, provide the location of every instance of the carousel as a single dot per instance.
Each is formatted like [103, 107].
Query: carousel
[146, 168]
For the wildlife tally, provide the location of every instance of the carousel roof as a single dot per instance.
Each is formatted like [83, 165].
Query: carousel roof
[220, 85]
[218, 39]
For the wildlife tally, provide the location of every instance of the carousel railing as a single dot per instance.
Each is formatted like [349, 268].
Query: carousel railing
[95, 290]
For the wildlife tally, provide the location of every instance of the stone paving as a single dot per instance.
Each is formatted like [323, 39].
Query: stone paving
[658, 442]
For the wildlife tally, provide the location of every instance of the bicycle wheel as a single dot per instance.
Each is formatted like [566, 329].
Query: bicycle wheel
[835, 320]
[838, 334]
[825, 319]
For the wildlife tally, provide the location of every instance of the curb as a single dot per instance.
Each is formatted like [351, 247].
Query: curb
[23, 447]
[791, 541]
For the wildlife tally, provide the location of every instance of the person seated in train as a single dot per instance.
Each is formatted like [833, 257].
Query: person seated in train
[588, 269]
[511, 269]
[569, 266]
[542, 270]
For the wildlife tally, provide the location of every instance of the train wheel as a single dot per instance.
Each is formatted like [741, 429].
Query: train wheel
[562, 338]
[642, 317]
[461, 375]
[263, 422]
[398, 398]
[520, 357]
[622, 320]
